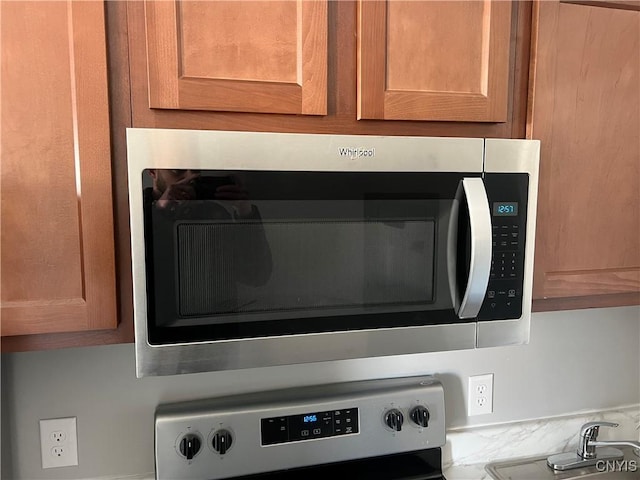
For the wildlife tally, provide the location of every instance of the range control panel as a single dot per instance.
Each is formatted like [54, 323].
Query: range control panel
[285, 429]
[307, 426]
[507, 193]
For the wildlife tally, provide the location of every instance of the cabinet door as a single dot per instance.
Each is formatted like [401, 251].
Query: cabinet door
[428, 60]
[249, 56]
[57, 214]
[586, 112]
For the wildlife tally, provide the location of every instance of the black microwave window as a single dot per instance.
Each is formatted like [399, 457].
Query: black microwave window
[317, 266]
[249, 254]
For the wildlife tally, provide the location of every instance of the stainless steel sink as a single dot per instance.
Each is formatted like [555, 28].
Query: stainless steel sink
[535, 468]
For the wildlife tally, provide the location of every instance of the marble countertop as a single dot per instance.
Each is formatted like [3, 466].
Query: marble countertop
[468, 450]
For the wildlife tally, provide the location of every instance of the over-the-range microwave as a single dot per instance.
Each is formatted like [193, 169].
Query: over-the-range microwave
[263, 249]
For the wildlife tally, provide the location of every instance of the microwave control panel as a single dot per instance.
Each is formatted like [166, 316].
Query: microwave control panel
[507, 194]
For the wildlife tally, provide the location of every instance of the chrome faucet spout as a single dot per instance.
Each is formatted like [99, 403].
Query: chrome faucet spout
[615, 443]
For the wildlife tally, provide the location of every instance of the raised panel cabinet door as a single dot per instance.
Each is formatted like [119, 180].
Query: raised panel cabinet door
[432, 60]
[240, 56]
[586, 112]
[57, 256]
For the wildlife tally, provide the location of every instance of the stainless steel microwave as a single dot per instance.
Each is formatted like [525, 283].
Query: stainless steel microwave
[262, 249]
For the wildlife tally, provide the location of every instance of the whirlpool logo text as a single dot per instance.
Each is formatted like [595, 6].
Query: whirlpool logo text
[356, 152]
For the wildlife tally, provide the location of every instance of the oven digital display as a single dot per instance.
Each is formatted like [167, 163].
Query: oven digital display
[505, 209]
[308, 426]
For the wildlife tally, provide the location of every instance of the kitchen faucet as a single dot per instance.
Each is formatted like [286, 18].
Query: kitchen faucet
[589, 442]
[588, 452]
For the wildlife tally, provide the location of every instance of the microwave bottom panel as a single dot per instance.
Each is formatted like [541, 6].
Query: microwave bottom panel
[297, 349]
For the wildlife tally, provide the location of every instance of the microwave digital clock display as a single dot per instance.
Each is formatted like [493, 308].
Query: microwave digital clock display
[505, 209]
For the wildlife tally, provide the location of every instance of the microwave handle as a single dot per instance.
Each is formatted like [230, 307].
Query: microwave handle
[475, 195]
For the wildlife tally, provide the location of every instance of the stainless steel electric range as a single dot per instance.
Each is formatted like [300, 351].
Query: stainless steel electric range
[389, 429]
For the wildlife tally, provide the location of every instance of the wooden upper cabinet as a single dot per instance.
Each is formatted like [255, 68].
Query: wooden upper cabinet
[243, 65]
[57, 256]
[586, 112]
[429, 60]
[249, 56]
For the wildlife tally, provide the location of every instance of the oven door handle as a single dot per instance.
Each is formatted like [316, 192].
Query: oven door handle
[468, 304]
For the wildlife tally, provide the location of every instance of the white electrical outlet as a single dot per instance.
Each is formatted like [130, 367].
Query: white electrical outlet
[480, 394]
[59, 442]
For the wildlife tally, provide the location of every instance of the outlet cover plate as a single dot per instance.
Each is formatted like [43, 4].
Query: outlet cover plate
[480, 394]
[58, 442]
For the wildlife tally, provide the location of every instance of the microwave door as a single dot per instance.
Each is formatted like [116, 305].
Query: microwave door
[469, 247]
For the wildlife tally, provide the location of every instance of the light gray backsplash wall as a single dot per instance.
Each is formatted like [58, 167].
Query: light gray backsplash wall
[576, 361]
[5, 444]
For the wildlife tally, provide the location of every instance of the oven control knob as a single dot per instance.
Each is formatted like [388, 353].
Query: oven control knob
[222, 441]
[394, 419]
[189, 446]
[420, 416]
